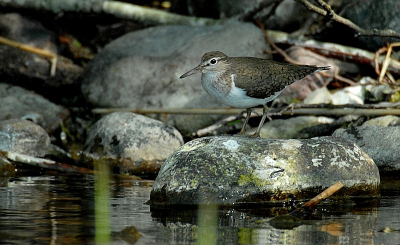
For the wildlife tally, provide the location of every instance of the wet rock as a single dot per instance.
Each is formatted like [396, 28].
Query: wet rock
[141, 69]
[24, 137]
[7, 170]
[381, 143]
[234, 170]
[17, 102]
[131, 143]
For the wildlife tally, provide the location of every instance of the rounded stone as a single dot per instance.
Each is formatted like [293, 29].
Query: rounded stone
[24, 137]
[233, 170]
[381, 143]
[17, 102]
[131, 143]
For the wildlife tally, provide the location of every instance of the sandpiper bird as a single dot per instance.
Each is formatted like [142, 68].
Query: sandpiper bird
[246, 82]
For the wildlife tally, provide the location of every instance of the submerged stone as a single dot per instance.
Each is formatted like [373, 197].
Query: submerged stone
[234, 170]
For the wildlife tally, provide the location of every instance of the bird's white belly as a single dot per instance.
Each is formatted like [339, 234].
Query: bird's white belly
[234, 97]
[238, 98]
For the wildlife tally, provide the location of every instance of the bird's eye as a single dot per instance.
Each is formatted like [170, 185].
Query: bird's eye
[213, 61]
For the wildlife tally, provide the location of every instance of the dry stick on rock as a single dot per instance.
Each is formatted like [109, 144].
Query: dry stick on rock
[328, 12]
[52, 56]
[298, 109]
[43, 163]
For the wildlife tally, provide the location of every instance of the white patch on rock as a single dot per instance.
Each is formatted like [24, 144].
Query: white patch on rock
[231, 145]
[316, 162]
[336, 157]
[291, 144]
[269, 160]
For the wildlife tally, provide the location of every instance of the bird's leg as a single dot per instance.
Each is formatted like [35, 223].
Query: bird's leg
[265, 115]
[248, 111]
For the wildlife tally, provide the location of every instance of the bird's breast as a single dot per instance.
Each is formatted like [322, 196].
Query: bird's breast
[224, 90]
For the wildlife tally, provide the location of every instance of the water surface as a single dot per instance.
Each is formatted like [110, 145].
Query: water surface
[59, 209]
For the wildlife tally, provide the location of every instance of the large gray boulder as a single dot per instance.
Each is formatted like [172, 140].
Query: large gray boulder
[233, 170]
[141, 69]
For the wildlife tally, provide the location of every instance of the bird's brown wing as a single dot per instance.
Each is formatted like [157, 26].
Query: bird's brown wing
[263, 78]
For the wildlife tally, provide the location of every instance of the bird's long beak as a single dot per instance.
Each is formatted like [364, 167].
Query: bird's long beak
[195, 70]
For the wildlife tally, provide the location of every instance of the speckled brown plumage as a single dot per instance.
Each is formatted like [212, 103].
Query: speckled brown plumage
[262, 78]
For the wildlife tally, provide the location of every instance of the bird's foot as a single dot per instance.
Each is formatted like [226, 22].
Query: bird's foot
[255, 135]
[241, 134]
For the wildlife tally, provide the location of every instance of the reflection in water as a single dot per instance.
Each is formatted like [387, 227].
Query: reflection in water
[60, 210]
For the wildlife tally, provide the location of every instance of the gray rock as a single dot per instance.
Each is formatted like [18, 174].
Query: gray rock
[289, 128]
[318, 96]
[288, 15]
[233, 170]
[32, 70]
[354, 95]
[17, 102]
[21, 29]
[131, 143]
[372, 14]
[388, 120]
[381, 143]
[141, 69]
[24, 137]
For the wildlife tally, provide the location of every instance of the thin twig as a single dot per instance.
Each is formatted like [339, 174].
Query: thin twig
[43, 163]
[289, 59]
[298, 109]
[215, 126]
[275, 47]
[377, 54]
[333, 50]
[293, 219]
[328, 12]
[386, 63]
[39, 51]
